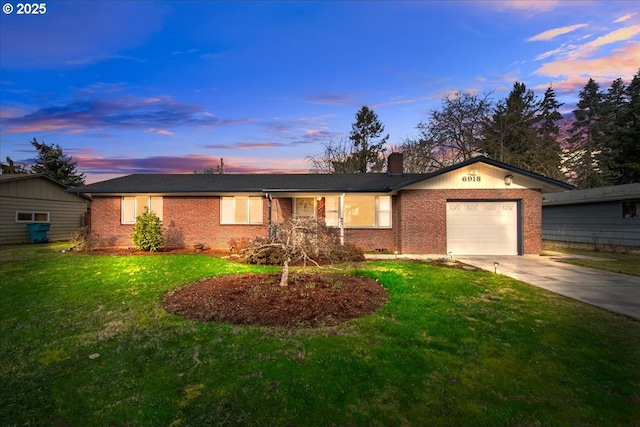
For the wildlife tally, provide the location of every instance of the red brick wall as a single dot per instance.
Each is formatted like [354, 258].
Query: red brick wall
[375, 239]
[372, 239]
[186, 220]
[423, 226]
[197, 220]
[419, 221]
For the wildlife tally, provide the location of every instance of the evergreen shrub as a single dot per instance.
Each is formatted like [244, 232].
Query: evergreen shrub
[147, 233]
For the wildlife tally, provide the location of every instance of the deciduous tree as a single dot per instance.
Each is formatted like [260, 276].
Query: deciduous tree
[450, 135]
[294, 240]
[337, 157]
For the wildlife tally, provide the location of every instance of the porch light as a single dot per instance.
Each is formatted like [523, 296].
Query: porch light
[508, 179]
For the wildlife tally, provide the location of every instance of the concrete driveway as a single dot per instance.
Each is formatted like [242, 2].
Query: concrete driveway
[615, 292]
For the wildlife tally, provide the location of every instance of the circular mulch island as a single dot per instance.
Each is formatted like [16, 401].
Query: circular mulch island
[310, 300]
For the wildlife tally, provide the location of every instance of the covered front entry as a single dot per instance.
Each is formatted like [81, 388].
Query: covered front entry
[482, 227]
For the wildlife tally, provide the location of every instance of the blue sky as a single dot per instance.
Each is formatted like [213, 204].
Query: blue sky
[136, 86]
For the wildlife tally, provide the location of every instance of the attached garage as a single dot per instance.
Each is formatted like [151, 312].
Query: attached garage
[483, 227]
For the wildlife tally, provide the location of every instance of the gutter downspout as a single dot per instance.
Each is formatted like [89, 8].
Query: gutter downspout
[268, 196]
[341, 218]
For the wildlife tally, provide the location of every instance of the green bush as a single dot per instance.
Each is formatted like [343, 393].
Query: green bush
[147, 233]
[346, 253]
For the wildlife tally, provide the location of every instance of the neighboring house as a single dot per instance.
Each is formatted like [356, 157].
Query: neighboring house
[476, 207]
[600, 216]
[35, 198]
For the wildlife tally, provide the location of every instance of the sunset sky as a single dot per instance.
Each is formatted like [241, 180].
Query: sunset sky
[137, 86]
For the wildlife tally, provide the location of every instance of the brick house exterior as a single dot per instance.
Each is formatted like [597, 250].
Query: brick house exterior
[407, 213]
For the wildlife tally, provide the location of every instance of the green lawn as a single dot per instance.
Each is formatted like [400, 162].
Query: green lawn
[85, 341]
[607, 258]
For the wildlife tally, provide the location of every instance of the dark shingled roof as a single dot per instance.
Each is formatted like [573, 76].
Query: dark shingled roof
[227, 183]
[300, 183]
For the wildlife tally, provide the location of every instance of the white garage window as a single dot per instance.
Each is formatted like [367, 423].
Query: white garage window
[241, 210]
[134, 206]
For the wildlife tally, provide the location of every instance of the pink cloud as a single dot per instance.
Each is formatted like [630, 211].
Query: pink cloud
[625, 17]
[553, 33]
[159, 132]
[100, 168]
[533, 6]
[620, 35]
[574, 73]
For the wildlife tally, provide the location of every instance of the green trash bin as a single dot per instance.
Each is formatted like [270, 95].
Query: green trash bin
[38, 232]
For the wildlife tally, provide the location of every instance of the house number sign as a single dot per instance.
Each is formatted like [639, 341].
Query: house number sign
[471, 178]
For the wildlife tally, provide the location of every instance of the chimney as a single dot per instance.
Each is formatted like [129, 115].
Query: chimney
[394, 164]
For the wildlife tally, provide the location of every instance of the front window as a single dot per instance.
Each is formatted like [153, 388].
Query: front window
[631, 209]
[367, 211]
[305, 207]
[27, 216]
[134, 206]
[332, 211]
[241, 210]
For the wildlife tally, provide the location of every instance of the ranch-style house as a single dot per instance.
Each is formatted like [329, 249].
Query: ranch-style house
[479, 206]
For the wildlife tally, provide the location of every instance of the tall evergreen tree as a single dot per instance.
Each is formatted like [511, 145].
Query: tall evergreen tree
[366, 136]
[588, 141]
[549, 151]
[52, 162]
[10, 167]
[627, 144]
[615, 107]
[510, 135]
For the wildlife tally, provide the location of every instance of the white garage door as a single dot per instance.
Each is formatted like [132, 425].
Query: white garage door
[482, 228]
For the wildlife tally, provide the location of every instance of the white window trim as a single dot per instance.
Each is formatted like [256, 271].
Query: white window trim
[380, 211]
[377, 213]
[335, 213]
[234, 200]
[33, 215]
[135, 207]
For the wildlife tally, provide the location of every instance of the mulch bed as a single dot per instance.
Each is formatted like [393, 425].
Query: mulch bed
[310, 300]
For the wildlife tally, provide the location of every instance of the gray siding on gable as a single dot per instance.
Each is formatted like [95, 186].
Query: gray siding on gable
[592, 223]
[66, 211]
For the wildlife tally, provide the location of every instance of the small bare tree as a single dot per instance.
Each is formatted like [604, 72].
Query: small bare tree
[296, 240]
[337, 157]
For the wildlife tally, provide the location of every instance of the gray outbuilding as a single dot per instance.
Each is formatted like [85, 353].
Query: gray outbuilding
[597, 216]
[27, 199]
